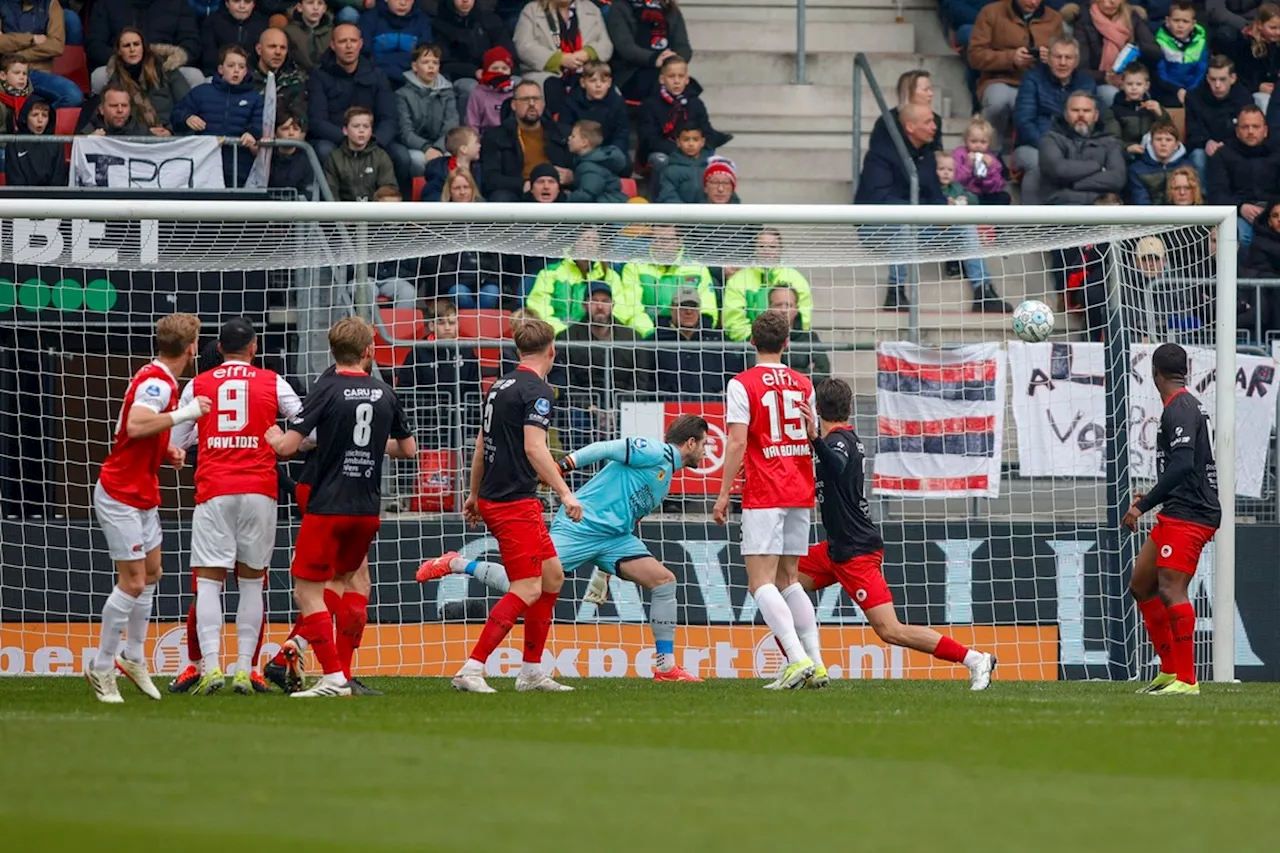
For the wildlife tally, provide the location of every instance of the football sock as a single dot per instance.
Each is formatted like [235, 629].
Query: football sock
[1182, 621]
[971, 658]
[139, 618]
[492, 575]
[279, 658]
[332, 602]
[352, 616]
[806, 621]
[262, 625]
[248, 623]
[209, 622]
[949, 650]
[1156, 616]
[193, 640]
[502, 618]
[530, 670]
[537, 625]
[318, 631]
[777, 615]
[115, 615]
[662, 622]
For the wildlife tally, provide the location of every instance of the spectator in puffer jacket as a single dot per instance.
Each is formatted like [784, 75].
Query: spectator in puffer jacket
[228, 106]
[1245, 171]
[485, 106]
[290, 167]
[359, 169]
[237, 22]
[1079, 159]
[426, 107]
[35, 164]
[746, 292]
[1149, 174]
[309, 30]
[466, 34]
[644, 33]
[1212, 108]
[681, 181]
[1184, 46]
[596, 99]
[952, 191]
[163, 22]
[596, 167]
[977, 170]
[391, 30]
[152, 77]
[1042, 98]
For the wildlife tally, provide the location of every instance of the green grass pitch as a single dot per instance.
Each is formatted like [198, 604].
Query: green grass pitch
[634, 766]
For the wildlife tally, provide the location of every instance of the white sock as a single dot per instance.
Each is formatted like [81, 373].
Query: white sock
[458, 565]
[972, 657]
[472, 667]
[115, 615]
[139, 619]
[777, 615]
[248, 622]
[335, 678]
[530, 670]
[492, 575]
[209, 622]
[806, 621]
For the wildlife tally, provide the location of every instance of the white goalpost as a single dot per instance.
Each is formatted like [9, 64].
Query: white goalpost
[998, 469]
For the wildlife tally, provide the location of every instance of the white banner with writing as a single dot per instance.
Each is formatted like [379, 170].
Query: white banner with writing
[179, 163]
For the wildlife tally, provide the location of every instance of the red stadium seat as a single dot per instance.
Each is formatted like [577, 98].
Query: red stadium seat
[404, 324]
[437, 470]
[418, 185]
[475, 323]
[629, 187]
[65, 122]
[4, 179]
[73, 65]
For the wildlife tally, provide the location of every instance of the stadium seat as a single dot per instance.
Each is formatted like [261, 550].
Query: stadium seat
[66, 121]
[403, 324]
[418, 185]
[629, 188]
[73, 65]
[437, 470]
[475, 323]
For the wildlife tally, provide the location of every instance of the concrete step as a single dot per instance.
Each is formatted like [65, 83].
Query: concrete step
[865, 6]
[783, 189]
[815, 16]
[780, 36]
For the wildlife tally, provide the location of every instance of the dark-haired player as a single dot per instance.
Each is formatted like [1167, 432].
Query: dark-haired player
[511, 455]
[1187, 493]
[353, 415]
[854, 551]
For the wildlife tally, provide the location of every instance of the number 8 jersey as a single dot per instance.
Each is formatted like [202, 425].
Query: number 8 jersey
[353, 414]
[779, 459]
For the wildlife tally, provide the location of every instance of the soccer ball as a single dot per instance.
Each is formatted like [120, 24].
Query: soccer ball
[1033, 321]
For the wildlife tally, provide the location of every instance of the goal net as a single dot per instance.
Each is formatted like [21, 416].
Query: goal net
[998, 469]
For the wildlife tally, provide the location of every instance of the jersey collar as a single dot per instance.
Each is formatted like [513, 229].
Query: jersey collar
[1175, 395]
[160, 364]
[341, 372]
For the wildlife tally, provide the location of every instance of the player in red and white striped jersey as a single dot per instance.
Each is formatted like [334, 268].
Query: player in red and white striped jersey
[234, 522]
[126, 499]
[767, 430]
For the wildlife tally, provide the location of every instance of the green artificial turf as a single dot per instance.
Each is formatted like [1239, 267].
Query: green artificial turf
[635, 766]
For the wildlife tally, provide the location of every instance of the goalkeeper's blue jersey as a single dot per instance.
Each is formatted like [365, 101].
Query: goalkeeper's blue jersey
[633, 483]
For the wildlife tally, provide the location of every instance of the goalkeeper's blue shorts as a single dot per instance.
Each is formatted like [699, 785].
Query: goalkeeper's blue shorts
[578, 547]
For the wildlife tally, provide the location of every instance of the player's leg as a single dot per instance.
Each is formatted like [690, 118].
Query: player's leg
[190, 675]
[492, 575]
[1176, 561]
[132, 660]
[353, 616]
[651, 574]
[537, 626]
[255, 535]
[796, 525]
[213, 552]
[312, 569]
[762, 547]
[1144, 586]
[814, 573]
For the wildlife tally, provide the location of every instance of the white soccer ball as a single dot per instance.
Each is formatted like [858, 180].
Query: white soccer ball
[1033, 321]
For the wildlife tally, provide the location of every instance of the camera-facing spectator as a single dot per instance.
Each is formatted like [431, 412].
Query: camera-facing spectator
[1163, 152]
[310, 30]
[436, 371]
[496, 87]
[544, 185]
[720, 182]
[554, 39]
[628, 368]
[1009, 38]
[526, 139]
[460, 186]
[1245, 171]
[427, 108]
[114, 116]
[1256, 51]
[596, 99]
[692, 371]
[391, 30]
[238, 22]
[163, 22]
[979, 171]
[1104, 29]
[15, 89]
[644, 33]
[914, 87]
[35, 31]
[473, 279]
[31, 163]
[1183, 187]
[290, 167]
[560, 294]
[1042, 99]
[681, 180]
[152, 76]
[462, 145]
[652, 282]
[272, 57]
[230, 107]
[952, 191]
[677, 104]
[1079, 159]
[358, 168]
[746, 292]
[1184, 46]
[1212, 108]
[466, 34]
[596, 167]
[804, 358]
[1135, 109]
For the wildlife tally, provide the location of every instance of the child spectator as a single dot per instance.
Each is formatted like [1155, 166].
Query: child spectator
[309, 32]
[359, 167]
[427, 108]
[462, 144]
[290, 167]
[465, 33]
[1162, 152]
[15, 89]
[1212, 108]
[676, 103]
[484, 108]
[596, 99]
[229, 106]
[460, 187]
[35, 164]
[1185, 46]
[596, 166]
[391, 30]
[1135, 109]
[681, 180]
[237, 22]
[977, 170]
[1256, 51]
[954, 192]
[437, 371]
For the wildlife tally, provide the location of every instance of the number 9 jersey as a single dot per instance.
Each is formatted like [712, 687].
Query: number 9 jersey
[779, 459]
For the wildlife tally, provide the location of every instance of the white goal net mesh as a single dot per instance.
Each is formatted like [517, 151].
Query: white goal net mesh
[998, 471]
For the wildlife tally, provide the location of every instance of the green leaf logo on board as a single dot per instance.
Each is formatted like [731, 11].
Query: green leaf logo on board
[35, 295]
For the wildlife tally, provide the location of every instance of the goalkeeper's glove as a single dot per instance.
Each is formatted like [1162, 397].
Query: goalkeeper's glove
[567, 464]
[598, 588]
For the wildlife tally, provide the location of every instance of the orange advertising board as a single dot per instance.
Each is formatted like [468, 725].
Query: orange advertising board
[590, 650]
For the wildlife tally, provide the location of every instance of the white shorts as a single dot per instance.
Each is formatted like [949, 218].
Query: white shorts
[780, 531]
[131, 532]
[233, 528]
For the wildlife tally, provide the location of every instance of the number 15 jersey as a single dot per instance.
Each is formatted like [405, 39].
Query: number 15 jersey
[779, 459]
[353, 415]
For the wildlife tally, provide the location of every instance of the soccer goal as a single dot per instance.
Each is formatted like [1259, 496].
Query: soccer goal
[999, 469]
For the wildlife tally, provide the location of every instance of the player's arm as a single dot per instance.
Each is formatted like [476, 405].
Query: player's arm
[544, 464]
[400, 444]
[184, 434]
[286, 443]
[1181, 465]
[147, 416]
[636, 452]
[737, 416]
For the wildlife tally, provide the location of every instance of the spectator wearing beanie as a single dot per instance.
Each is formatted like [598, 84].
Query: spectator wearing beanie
[544, 185]
[484, 108]
[466, 33]
[720, 182]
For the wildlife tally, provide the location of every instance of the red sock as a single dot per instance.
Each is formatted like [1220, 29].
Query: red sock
[332, 601]
[293, 632]
[193, 640]
[317, 630]
[1156, 617]
[262, 630]
[352, 616]
[537, 625]
[501, 619]
[949, 650]
[1182, 621]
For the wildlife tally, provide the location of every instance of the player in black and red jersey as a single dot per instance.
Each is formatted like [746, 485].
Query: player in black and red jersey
[353, 415]
[1187, 493]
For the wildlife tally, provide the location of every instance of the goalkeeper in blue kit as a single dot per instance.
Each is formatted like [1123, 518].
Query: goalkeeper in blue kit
[633, 483]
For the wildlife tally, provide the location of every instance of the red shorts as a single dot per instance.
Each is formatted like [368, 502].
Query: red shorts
[1180, 543]
[860, 576]
[302, 494]
[330, 546]
[523, 539]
